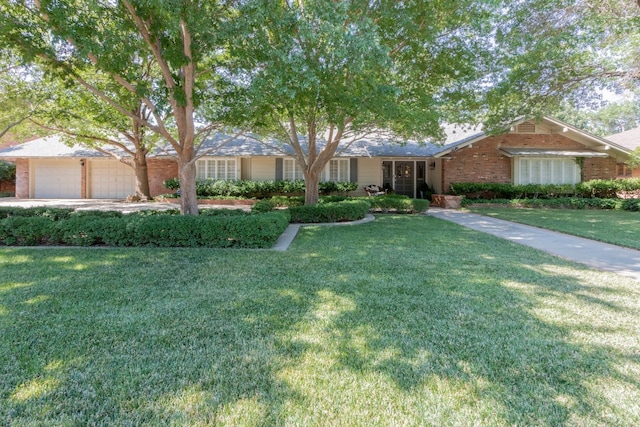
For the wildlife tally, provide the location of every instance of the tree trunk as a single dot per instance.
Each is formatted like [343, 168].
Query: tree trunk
[188, 197]
[142, 177]
[311, 180]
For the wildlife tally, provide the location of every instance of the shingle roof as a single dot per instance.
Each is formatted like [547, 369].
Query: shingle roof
[629, 139]
[49, 146]
[248, 145]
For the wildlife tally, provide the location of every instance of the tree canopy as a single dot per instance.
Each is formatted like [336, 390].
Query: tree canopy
[317, 75]
[115, 40]
[559, 51]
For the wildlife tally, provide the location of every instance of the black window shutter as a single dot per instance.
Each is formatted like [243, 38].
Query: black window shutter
[353, 170]
[279, 169]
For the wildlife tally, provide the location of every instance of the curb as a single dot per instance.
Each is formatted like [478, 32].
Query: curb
[285, 239]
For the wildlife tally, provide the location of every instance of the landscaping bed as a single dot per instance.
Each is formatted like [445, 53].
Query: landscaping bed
[213, 228]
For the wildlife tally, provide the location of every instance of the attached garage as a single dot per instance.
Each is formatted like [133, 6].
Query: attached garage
[57, 179]
[111, 179]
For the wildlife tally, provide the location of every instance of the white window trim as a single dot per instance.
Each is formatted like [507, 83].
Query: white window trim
[289, 163]
[203, 167]
[326, 173]
[553, 179]
[290, 166]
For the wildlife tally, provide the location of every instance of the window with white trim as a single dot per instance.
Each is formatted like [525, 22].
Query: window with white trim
[547, 171]
[216, 169]
[337, 170]
[291, 170]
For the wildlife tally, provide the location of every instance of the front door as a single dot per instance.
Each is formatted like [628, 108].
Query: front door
[405, 178]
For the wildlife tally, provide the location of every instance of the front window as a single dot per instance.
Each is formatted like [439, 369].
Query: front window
[291, 171]
[216, 169]
[624, 170]
[547, 171]
[337, 170]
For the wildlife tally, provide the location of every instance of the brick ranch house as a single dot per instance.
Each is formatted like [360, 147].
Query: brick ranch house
[547, 151]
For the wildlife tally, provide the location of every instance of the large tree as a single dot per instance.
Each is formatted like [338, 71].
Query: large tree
[557, 51]
[317, 75]
[69, 37]
[81, 117]
[609, 118]
[21, 95]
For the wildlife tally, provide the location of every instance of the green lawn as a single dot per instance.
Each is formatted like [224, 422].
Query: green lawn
[407, 320]
[617, 227]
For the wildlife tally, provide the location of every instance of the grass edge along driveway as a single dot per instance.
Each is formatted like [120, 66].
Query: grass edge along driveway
[620, 228]
[407, 320]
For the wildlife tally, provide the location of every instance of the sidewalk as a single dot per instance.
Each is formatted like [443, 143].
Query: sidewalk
[602, 256]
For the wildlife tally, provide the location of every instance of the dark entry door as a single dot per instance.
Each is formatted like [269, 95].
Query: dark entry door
[405, 178]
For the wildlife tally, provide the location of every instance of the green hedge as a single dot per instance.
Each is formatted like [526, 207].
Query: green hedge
[397, 203]
[477, 190]
[349, 210]
[564, 203]
[7, 171]
[229, 229]
[258, 189]
[599, 188]
[387, 203]
[53, 213]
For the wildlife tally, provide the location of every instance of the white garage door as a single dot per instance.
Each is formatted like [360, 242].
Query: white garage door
[57, 179]
[111, 179]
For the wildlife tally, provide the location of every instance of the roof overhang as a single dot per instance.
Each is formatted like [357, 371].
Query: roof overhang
[532, 152]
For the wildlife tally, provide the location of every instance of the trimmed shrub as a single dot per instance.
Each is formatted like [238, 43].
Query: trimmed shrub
[261, 206]
[488, 190]
[350, 210]
[559, 203]
[631, 205]
[51, 213]
[258, 189]
[7, 171]
[171, 184]
[227, 229]
[96, 214]
[287, 202]
[397, 203]
[329, 187]
[27, 230]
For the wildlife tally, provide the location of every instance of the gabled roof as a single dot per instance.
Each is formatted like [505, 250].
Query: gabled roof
[374, 145]
[590, 141]
[47, 147]
[370, 145]
[629, 139]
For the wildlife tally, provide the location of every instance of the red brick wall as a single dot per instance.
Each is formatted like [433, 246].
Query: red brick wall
[160, 170]
[599, 168]
[22, 178]
[484, 162]
[83, 178]
[7, 187]
[480, 163]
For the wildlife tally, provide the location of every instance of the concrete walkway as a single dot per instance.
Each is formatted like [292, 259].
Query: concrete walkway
[602, 256]
[292, 230]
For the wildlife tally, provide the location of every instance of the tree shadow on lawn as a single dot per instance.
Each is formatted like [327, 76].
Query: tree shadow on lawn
[506, 328]
[125, 337]
[422, 322]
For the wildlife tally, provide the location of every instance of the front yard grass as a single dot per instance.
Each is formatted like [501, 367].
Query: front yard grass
[407, 320]
[611, 226]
